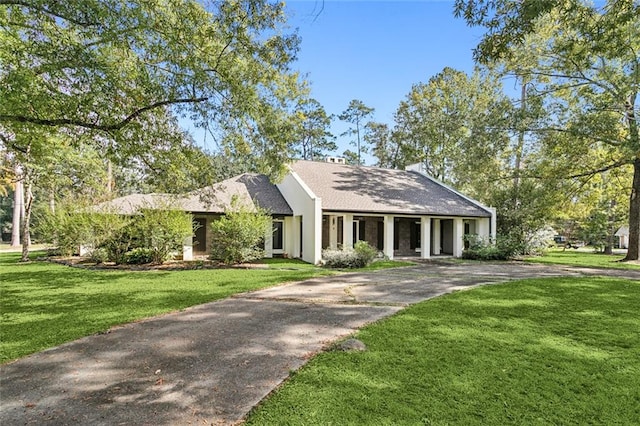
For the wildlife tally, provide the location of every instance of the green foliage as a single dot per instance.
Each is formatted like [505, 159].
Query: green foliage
[162, 231]
[543, 351]
[507, 246]
[313, 138]
[504, 248]
[99, 255]
[71, 227]
[586, 77]
[360, 256]
[238, 236]
[140, 256]
[355, 114]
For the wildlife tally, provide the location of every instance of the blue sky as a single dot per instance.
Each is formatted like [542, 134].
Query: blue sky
[376, 50]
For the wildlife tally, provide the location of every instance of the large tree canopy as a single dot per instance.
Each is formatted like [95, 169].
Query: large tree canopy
[585, 64]
[110, 65]
[115, 74]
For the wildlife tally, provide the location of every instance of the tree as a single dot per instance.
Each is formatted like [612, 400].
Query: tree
[356, 113]
[587, 69]
[378, 137]
[97, 70]
[455, 125]
[313, 137]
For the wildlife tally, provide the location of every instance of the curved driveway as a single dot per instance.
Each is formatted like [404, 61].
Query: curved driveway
[212, 363]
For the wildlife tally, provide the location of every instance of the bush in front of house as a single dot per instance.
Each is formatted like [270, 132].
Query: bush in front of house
[110, 236]
[238, 236]
[139, 256]
[161, 232]
[479, 248]
[361, 255]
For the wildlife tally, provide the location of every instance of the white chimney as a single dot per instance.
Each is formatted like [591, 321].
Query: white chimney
[336, 160]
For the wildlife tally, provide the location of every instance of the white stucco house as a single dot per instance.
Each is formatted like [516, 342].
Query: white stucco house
[623, 237]
[322, 205]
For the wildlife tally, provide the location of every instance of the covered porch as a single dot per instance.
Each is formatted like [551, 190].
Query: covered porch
[420, 236]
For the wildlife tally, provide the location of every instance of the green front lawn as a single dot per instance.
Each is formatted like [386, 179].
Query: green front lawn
[540, 351]
[44, 304]
[587, 259]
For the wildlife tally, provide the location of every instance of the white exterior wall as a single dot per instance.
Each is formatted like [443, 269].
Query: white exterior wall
[483, 226]
[187, 248]
[458, 234]
[305, 204]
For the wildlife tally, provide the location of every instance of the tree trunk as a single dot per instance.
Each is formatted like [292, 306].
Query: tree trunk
[18, 202]
[26, 223]
[110, 184]
[633, 253]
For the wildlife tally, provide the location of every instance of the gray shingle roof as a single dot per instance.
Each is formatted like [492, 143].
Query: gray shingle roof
[251, 189]
[376, 190]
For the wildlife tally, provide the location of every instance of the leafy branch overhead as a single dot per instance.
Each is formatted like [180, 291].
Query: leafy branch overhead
[580, 62]
[103, 64]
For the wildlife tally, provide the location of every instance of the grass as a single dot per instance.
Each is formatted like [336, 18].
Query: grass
[539, 351]
[584, 258]
[44, 304]
[385, 264]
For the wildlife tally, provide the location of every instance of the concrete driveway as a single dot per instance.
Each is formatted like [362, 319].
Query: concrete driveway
[212, 363]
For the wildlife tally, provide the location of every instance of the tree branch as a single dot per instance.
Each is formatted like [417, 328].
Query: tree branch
[47, 11]
[93, 126]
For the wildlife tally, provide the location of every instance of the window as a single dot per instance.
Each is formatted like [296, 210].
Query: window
[278, 233]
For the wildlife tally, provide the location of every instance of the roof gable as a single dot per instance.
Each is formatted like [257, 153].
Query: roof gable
[377, 190]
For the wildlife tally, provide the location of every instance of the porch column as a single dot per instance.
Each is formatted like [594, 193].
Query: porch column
[295, 228]
[458, 234]
[333, 232]
[288, 240]
[425, 237]
[494, 224]
[388, 236]
[436, 237]
[187, 248]
[268, 242]
[347, 231]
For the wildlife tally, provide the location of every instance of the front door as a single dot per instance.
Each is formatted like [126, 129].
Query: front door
[200, 239]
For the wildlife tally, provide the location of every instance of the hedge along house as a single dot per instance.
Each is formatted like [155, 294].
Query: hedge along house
[320, 205]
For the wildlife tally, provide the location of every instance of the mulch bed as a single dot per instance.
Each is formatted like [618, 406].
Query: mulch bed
[171, 265]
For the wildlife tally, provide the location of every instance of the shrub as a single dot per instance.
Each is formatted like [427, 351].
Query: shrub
[480, 248]
[360, 256]
[119, 244]
[99, 255]
[71, 227]
[365, 252]
[238, 236]
[161, 232]
[140, 256]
